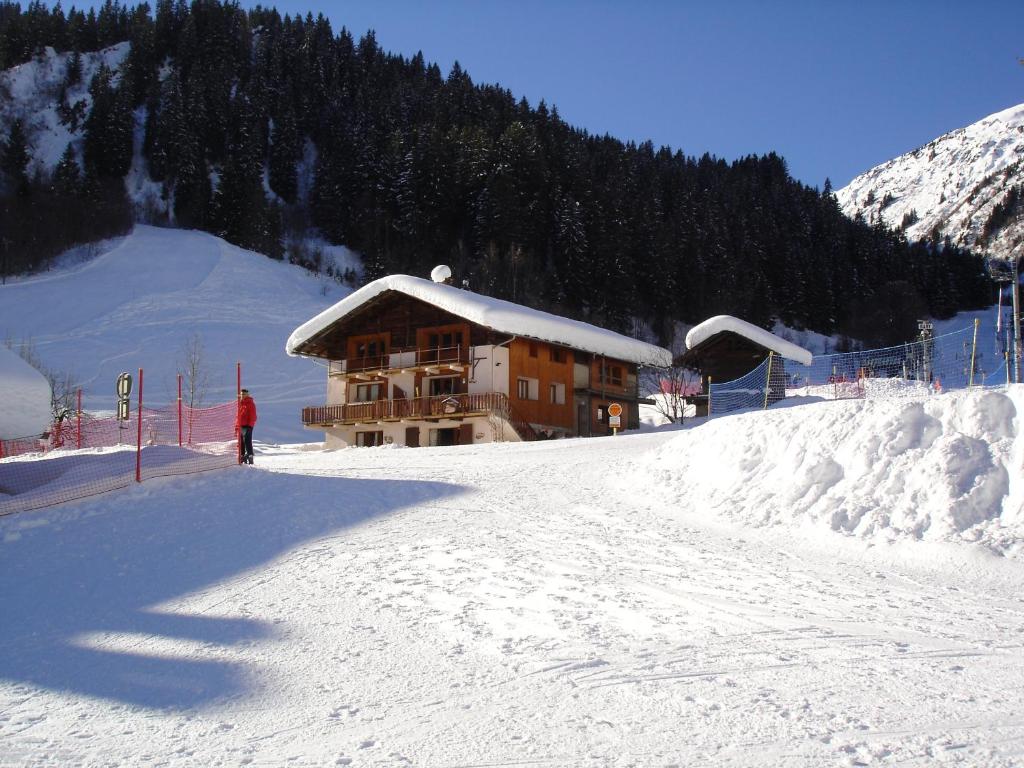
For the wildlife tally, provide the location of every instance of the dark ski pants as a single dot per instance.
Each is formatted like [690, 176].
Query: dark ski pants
[246, 447]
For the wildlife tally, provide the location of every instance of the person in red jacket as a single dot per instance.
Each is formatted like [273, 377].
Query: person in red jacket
[245, 422]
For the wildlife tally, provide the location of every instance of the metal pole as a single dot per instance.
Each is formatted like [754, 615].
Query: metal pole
[974, 349]
[238, 406]
[138, 439]
[709, 397]
[768, 381]
[179, 410]
[79, 426]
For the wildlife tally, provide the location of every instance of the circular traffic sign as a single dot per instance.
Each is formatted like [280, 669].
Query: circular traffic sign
[614, 409]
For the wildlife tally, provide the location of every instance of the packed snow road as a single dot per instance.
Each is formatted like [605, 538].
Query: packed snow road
[532, 604]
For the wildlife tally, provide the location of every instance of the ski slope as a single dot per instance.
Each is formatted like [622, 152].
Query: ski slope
[696, 596]
[139, 301]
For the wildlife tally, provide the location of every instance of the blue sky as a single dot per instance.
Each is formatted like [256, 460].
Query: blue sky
[834, 87]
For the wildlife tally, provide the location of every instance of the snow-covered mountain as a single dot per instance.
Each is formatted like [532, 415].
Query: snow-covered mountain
[966, 184]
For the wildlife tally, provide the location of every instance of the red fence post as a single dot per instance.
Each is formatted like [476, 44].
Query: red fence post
[179, 410]
[138, 441]
[238, 405]
[79, 429]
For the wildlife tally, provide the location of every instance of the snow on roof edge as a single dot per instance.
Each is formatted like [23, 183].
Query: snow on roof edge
[723, 323]
[497, 314]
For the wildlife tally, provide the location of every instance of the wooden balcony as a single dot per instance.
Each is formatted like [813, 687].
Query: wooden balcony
[419, 409]
[399, 360]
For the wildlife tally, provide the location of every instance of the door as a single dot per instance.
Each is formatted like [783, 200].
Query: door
[582, 420]
[412, 437]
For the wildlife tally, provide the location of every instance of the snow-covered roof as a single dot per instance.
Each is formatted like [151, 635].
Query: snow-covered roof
[496, 314]
[24, 398]
[727, 323]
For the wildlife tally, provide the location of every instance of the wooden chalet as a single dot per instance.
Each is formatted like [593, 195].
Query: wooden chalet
[413, 362]
[725, 348]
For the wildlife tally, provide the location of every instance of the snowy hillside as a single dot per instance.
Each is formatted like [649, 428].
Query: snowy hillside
[818, 585]
[952, 184]
[31, 92]
[143, 298]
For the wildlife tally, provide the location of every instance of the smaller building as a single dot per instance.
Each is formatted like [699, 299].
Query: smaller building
[725, 348]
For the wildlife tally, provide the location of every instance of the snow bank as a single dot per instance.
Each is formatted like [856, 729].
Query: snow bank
[501, 316]
[727, 323]
[24, 398]
[944, 469]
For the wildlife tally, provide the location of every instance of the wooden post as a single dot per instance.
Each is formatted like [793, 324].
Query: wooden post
[709, 397]
[78, 442]
[768, 381]
[138, 439]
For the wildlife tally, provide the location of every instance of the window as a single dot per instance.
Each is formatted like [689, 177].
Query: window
[446, 343]
[444, 385]
[610, 374]
[368, 351]
[557, 355]
[557, 391]
[533, 349]
[369, 439]
[528, 389]
[367, 392]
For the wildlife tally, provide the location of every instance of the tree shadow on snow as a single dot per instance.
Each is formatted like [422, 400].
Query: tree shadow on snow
[81, 593]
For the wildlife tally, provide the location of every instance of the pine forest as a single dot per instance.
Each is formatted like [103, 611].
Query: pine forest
[411, 167]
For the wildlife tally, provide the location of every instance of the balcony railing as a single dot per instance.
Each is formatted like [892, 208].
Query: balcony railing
[398, 359]
[437, 407]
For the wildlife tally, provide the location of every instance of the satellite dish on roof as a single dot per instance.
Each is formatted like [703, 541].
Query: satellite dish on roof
[441, 273]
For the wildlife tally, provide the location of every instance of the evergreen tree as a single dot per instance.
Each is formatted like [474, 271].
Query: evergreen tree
[14, 159]
[108, 128]
[67, 176]
[285, 151]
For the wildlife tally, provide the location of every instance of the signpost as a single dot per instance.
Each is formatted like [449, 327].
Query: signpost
[124, 391]
[615, 417]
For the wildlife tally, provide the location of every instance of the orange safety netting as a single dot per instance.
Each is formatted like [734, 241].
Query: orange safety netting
[84, 456]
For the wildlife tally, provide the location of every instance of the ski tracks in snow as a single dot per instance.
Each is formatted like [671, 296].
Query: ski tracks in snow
[552, 610]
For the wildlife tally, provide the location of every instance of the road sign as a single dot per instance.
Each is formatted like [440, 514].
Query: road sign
[124, 390]
[614, 422]
[615, 410]
[124, 386]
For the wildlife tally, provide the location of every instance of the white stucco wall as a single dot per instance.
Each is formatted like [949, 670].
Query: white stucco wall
[491, 371]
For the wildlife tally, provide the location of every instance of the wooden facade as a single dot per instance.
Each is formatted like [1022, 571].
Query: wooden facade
[404, 371]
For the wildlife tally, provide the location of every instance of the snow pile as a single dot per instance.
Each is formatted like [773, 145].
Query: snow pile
[501, 316]
[729, 324]
[943, 469]
[952, 183]
[24, 398]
